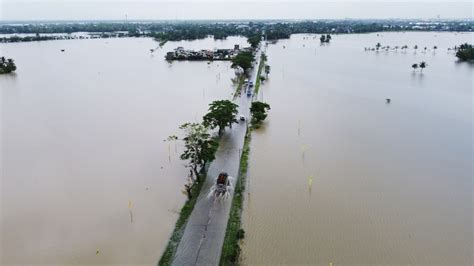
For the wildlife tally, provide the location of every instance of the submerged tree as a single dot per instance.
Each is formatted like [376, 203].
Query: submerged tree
[465, 52]
[258, 110]
[221, 114]
[7, 65]
[323, 38]
[423, 65]
[414, 66]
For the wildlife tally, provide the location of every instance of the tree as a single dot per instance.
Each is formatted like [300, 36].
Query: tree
[328, 38]
[243, 59]
[7, 65]
[254, 40]
[221, 114]
[415, 47]
[267, 70]
[415, 67]
[377, 46]
[423, 65]
[465, 52]
[323, 38]
[199, 148]
[258, 110]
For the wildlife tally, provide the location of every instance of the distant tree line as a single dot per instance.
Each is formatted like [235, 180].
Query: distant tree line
[175, 31]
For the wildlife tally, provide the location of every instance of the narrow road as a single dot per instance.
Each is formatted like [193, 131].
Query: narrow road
[204, 234]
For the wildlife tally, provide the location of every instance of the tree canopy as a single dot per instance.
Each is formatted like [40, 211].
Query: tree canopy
[259, 112]
[465, 52]
[254, 40]
[243, 59]
[7, 65]
[221, 114]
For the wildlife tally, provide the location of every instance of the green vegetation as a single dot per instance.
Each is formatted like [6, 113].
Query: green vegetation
[238, 89]
[221, 114]
[172, 246]
[263, 59]
[7, 65]
[465, 52]
[234, 232]
[258, 110]
[325, 38]
[199, 148]
[244, 60]
[254, 40]
[187, 30]
[423, 65]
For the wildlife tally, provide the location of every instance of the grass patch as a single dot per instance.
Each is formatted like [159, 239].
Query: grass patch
[170, 251]
[231, 248]
[238, 90]
[259, 73]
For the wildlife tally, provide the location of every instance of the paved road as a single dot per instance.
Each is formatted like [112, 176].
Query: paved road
[204, 234]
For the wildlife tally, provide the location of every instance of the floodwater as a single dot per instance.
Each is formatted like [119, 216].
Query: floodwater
[339, 176]
[86, 175]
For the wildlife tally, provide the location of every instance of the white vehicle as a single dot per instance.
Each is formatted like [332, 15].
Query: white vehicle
[242, 118]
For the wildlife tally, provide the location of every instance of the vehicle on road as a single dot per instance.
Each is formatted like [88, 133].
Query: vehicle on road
[242, 118]
[222, 187]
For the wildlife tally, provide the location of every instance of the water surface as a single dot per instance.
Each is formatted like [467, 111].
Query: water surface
[82, 136]
[337, 175]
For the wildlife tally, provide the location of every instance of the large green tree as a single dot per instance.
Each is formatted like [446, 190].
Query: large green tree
[221, 114]
[254, 40]
[199, 149]
[258, 110]
[243, 59]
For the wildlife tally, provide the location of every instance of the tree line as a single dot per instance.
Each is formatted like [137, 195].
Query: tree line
[186, 30]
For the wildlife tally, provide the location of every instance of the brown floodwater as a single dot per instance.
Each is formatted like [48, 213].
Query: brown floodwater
[82, 136]
[337, 175]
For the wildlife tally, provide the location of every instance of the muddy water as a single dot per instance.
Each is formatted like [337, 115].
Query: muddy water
[337, 175]
[82, 135]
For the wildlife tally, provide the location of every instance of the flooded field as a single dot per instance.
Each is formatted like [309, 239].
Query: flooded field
[338, 175]
[82, 145]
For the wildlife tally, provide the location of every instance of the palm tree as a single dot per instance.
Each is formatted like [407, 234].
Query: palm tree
[414, 66]
[423, 65]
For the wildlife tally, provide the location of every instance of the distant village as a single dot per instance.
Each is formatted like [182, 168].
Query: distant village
[217, 54]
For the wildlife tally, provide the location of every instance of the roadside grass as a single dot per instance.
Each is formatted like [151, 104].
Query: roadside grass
[173, 242]
[170, 250]
[231, 248]
[259, 73]
[238, 90]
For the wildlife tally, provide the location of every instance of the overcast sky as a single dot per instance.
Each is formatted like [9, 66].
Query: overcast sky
[230, 9]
